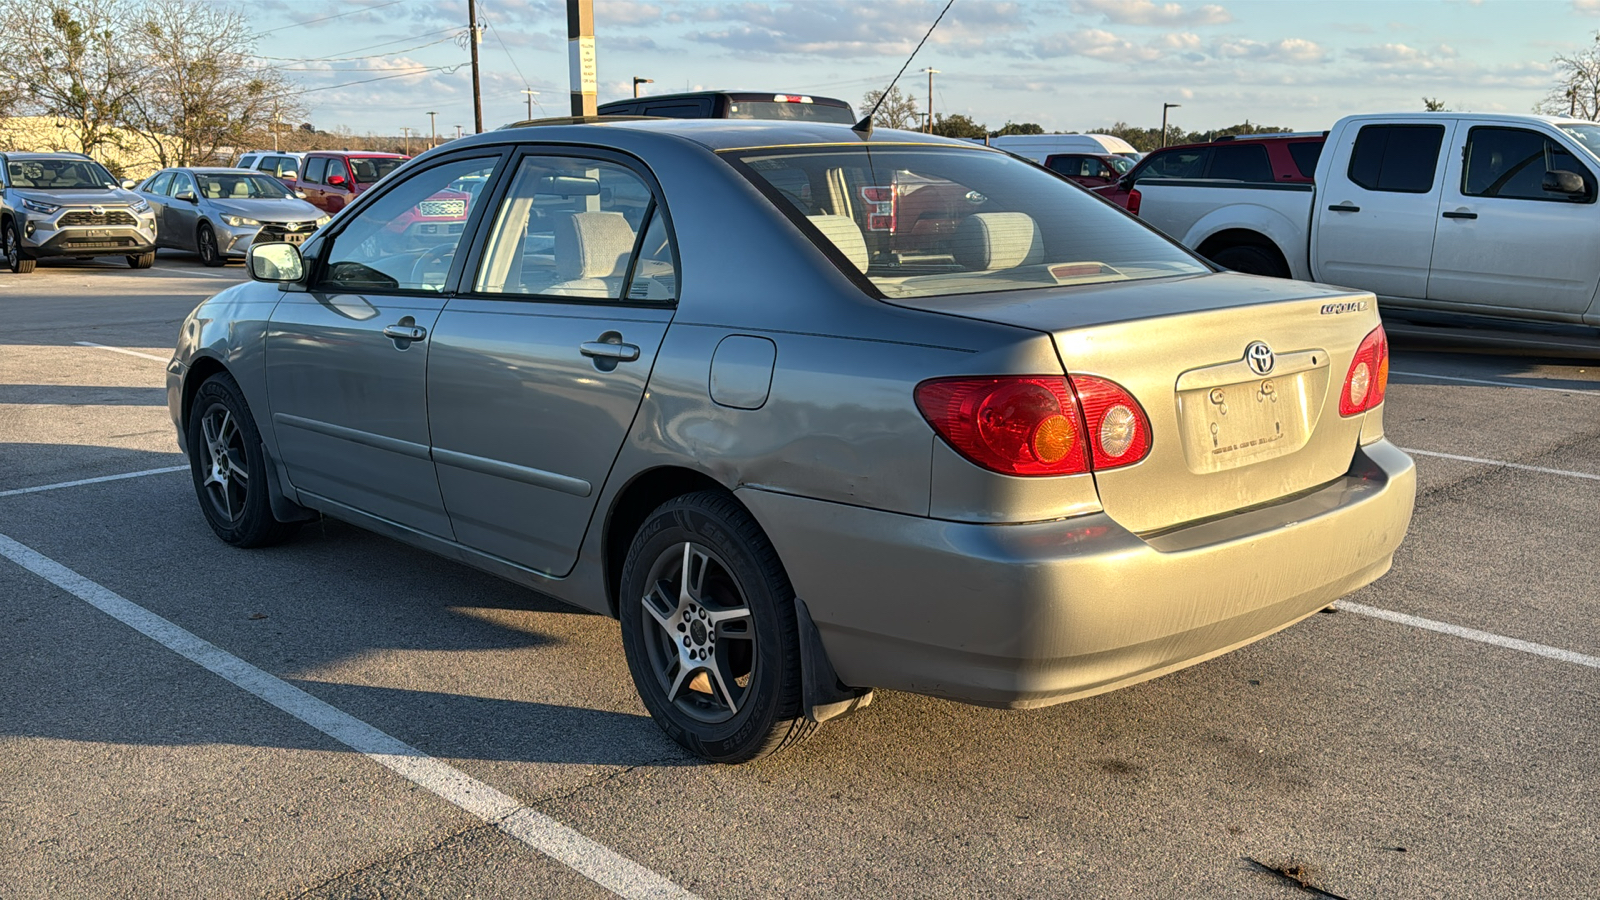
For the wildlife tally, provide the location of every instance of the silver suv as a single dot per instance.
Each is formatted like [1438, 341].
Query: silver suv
[68, 205]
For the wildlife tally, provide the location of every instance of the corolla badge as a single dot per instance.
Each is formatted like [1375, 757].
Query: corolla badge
[1260, 357]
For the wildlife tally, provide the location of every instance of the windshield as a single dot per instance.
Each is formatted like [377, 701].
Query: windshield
[368, 169]
[240, 187]
[1121, 163]
[810, 112]
[59, 175]
[924, 222]
[1587, 135]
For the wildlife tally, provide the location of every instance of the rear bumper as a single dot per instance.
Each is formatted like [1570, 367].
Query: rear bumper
[1030, 615]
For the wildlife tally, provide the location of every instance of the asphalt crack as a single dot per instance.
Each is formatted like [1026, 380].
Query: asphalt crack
[1293, 873]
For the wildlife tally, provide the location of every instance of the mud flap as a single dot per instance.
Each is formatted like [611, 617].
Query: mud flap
[825, 696]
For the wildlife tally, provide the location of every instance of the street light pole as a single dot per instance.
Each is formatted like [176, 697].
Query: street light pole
[931, 72]
[433, 131]
[1164, 108]
[638, 81]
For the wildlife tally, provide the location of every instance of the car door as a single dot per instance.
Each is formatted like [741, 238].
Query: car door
[338, 188]
[347, 358]
[1375, 214]
[311, 181]
[1504, 241]
[181, 216]
[540, 362]
[155, 192]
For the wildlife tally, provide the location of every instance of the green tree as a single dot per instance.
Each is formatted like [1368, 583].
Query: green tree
[898, 110]
[958, 126]
[1433, 104]
[71, 60]
[1011, 128]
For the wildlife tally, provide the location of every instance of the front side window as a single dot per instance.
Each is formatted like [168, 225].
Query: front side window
[59, 175]
[1512, 163]
[281, 166]
[233, 186]
[1396, 158]
[571, 227]
[369, 170]
[920, 222]
[160, 183]
[315, 167]
[406, 239]
[181, 182]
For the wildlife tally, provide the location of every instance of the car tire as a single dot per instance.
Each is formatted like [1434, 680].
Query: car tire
[142, 260]
[1251, 260]
[223, 444]
[15, 259]
[205, 240]
[716, 660]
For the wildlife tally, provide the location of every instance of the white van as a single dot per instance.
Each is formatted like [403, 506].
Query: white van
[1038, 147]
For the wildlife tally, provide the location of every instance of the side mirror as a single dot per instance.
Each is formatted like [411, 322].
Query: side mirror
[300, 194]
[275, 261]
[186, 196]
[129, 184]
[336, 180]
[1563, 182]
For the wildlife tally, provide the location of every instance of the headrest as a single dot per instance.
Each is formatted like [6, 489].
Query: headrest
[241, 189]
[998, 240]
[846, 235]
[592, 245]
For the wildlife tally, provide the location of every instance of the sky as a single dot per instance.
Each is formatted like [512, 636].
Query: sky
[1069, 65]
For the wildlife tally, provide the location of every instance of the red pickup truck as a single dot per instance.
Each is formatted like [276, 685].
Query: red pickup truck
[332, 178]
[1289, 158]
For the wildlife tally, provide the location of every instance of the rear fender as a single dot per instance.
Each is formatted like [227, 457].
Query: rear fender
[1270, 225]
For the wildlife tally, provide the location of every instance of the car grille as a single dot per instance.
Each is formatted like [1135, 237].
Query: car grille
[439, 208]
[274, 231]
[109, 244]
[86, 217]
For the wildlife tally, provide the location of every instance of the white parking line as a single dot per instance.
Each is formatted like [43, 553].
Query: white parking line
[1526, 387]
[600, 864]
[1472, 634]
[82, 481]
[1503, 464]
[159, 359]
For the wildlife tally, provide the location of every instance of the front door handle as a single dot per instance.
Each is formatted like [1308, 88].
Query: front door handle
[607, 350]
[1344, 207]
[404, 332]
[1460, 214]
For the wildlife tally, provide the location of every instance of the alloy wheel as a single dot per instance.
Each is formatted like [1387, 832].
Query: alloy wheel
[700, 640]
[227, 472]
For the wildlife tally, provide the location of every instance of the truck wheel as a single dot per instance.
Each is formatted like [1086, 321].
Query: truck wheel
[19, 264]
[142, 260]
[1251, 260]
[709, 630]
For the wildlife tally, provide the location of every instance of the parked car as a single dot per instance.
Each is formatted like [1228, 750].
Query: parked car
[219, 213]
[282, 165]
[67, 205]
[1064, 457]
[332, 178]
[1282, 158]
[1040, 147]
[1092, 170]
[1484, 214]
[735, 105]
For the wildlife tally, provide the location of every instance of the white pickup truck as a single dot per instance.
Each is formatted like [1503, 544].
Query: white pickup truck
[1458, 212]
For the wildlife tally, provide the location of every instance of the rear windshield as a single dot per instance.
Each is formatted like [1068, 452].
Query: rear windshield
[935, 221]
[369, 169]
[59, 174]
[810, 112]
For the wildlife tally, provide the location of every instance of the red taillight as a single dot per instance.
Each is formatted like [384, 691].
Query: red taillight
[1368, 378]
[1034, 425]
[1134, 199]
[880, 206]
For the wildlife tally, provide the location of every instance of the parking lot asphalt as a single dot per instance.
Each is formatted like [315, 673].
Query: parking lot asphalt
[389, 697]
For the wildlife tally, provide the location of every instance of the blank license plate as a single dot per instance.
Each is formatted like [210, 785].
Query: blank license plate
[1231, 424]
[294, 238]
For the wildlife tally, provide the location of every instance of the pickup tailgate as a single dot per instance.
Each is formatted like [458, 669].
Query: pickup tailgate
[1225, 437]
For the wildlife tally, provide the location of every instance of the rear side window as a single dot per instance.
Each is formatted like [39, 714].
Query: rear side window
[1240, 162]
[694, 110]
[1178, 164]
[1306, 154]
[1512, 162]
[158, 184]
[1397, 158]
[315, 166]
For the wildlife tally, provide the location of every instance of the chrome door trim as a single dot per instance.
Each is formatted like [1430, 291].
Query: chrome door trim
[566, 484]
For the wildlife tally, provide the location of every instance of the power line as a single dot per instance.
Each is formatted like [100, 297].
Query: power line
[335, 16]
[287, 60]
[445, 69]
[496, 32]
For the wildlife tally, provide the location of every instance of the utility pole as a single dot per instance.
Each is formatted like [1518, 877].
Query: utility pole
[1164, 108]
[433, 132]
[638, 81]
[473, 36]
[406, 133]
[530, 94]
[931, 72]
[580, 56]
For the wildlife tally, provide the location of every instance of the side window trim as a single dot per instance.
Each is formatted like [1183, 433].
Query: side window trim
[495, 156]
[475, 258]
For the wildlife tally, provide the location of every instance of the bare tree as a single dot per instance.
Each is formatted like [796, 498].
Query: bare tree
[203, 87]
[899, 110]
[70, 60]
[1577, 90]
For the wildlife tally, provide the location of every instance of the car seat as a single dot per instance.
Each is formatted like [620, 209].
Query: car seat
[592, 250]
[985, 242]
[846, 235]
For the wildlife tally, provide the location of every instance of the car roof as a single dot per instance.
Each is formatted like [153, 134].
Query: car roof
[211, 170]
[34, 154]
[355, 153]
[740, 94]
[713, 134]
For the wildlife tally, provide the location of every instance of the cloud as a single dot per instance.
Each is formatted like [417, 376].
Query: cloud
[1181, 46]
[1145, 12]
[1288, 50]
[849, 29]
[625, 12]
[1586, 7]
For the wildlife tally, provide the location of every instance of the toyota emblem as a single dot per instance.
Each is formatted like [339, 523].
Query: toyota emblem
[1260, 357]
[99, 210]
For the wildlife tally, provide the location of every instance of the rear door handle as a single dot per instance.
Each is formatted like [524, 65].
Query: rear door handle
[1344, 207]
[1460, 215]
[608, 350]
[405, 332]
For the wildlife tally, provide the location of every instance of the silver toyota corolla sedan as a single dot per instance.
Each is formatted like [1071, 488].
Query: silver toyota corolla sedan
[219, 213]
[811, 413]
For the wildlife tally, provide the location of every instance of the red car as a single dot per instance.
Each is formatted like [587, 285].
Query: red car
[1092, 170]
[1256, 158]
[332, 178]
